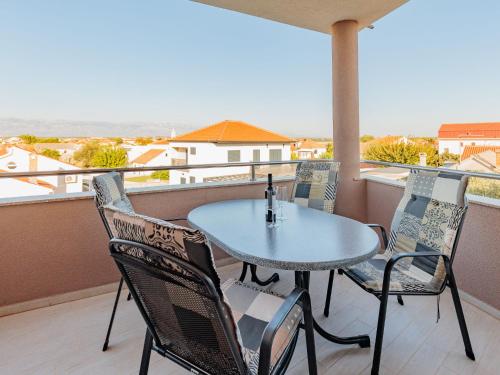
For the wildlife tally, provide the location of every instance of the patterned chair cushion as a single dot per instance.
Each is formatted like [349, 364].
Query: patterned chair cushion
[184, 243]
[185, 317]
[427, 219]
[253, 309]
[316, 184]
[109, 190]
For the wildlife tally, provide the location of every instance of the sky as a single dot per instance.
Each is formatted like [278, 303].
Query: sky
[179, 62]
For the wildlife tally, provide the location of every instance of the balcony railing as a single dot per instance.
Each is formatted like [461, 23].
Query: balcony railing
[70, 231]
[122, 170]
[253, 166]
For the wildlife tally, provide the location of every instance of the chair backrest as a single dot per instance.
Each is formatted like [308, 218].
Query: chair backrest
[429, 218]
[316, 184]
[171, 274]
[109, 190]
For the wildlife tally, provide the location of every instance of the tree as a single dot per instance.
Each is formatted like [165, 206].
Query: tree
[31, 139]
[366, 138]
[53, 154]
[449, 157]
[48, 140]
[117, 140]
[403, 153]
[28, 138]
[160, 175]
[143, 141]
[85, 155]
[110, 157]
[329, 152]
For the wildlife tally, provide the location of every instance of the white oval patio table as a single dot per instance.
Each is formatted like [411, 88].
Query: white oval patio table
[308, 240]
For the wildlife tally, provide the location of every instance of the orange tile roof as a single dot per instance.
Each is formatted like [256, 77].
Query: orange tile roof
[232, 132]
[3, 150]
[148, 156]
[473, 130]
[474, 150]
[309, 144]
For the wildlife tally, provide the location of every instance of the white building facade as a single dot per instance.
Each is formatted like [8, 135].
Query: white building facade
[225, 142]
[16, 159]
[453, 138]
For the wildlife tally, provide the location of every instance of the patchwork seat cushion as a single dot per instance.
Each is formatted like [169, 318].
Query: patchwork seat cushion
[253, 309]
[316, 184]
[427, 219]
[370, 274]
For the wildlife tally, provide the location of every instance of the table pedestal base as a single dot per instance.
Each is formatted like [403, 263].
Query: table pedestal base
[253, 272]
[302, 281]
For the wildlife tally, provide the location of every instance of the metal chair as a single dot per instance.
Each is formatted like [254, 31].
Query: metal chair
[109, 189]
[315, 186]
[419, 254]
[192, 319]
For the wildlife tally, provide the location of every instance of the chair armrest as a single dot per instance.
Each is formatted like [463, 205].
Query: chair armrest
[296, 296]
[397, 257]
[383, 232]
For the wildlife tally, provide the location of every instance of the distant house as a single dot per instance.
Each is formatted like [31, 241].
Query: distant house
[480, 159]
[454, 138]
[66, 150]
[153, 157]
[309, 149]
[16, 159]
[225, 142]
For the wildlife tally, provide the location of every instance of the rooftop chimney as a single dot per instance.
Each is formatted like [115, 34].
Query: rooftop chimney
[423, 159]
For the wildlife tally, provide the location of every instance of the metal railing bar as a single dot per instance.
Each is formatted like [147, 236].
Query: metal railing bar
[142, 169]
[492, 176]
[123, 170]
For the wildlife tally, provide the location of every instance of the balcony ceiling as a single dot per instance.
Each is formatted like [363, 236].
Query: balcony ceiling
[317, 15]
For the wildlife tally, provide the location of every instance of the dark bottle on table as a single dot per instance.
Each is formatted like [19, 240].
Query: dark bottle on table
[269, 197]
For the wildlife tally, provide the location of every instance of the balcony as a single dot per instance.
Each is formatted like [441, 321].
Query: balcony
[58, 285]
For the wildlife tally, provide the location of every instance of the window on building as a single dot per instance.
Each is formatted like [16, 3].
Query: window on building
[192, 180]
[233, 156]
[183, 180]
[473, 143]
[275, 155]
[11, 165]
[192, 150]
[256, 156]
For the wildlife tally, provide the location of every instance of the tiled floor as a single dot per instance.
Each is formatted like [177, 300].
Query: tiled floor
[67, 338]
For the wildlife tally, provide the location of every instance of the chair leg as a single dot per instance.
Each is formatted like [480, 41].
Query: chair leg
[310, 345]
[244, 271]
[460, 315]
[117, 298]
[400, 300]
[146, 353]
[380, 332]
[326, 311]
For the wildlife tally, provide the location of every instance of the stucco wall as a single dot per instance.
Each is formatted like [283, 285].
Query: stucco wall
[55, 247]
[476, 265]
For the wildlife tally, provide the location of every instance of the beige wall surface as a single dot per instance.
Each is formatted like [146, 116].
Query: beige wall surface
[476, 265]
[58, 247]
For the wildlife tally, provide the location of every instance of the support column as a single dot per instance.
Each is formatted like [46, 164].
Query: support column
[351, 196]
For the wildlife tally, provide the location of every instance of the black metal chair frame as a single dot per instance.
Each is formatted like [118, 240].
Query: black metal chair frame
[120, 284]
[153, 342]
[384, 294]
